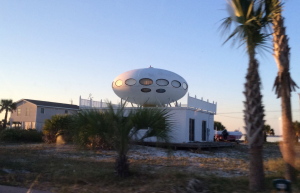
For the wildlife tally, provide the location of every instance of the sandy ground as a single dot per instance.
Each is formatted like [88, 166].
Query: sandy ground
[225, 162]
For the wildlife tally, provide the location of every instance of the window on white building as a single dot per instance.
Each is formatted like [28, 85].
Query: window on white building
[27, 112]
[176, 84]
[119, 83]
[184, 85]
[192, 130]
[146, 81]
[160, 90]
[42, 110]
[162, 82]
[204, 133]
[146, 90]
[130, 82]
[18, 111]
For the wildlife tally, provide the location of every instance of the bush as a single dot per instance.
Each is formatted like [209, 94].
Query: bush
[57, 125]
[16, 135]
[88, 130]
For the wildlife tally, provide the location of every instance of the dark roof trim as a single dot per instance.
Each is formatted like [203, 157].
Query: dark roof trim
[52, 104]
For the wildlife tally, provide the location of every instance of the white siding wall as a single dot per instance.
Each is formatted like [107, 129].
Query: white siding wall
[33, 118]
[27, 116]
[48, 113]
[180, 132]
[199, 118]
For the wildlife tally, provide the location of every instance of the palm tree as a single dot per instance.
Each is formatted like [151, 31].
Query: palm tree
[247, 15]
[7, 105]
[283, 84]
[120, 127]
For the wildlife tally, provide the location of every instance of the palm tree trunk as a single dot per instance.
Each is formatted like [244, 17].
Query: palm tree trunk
[288, 134]
[284, 85]
[5, 119]
[254, 114]
[256, 170]
[122, 165]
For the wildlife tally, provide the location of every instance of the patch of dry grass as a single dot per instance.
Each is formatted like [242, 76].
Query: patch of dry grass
[68, 169]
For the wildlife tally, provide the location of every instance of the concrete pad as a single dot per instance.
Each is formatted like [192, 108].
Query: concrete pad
[12, 189]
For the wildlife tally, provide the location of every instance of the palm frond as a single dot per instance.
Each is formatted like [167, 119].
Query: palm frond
[157, 121]
[272, 8]
[277, 86]
[248, 15]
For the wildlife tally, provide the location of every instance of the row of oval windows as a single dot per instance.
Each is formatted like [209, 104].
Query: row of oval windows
[149, 90]
[148, 81]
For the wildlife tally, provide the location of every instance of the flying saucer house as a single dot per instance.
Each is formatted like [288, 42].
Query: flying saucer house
[150, 87]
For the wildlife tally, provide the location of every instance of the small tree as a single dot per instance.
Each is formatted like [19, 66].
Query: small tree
[272, 132]
[89, 129]
[218, 126]
[7, 105]
[267, 130]
[297, 130]
[121, 126]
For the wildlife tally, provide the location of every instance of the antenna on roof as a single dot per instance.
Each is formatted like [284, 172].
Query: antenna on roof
[90, 96]
[71, 101]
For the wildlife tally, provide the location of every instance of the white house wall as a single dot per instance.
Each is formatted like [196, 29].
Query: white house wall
[34, 119]
[48, 113]
[199, 117]
[180, 130]
[27, 117]
[180, 134]
[177, 134]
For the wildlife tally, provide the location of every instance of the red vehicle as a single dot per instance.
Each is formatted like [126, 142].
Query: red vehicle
[230, 136]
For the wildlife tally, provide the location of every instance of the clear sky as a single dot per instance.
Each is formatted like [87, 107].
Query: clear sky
[60, 49]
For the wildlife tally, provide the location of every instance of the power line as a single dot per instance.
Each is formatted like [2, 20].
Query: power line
[229, 116]
[294, 111]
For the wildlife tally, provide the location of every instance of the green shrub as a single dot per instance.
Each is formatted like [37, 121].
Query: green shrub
[17, 135]
[88, 130]
[57, 125]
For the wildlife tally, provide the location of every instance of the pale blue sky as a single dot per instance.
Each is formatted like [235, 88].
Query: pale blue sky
[60, 49]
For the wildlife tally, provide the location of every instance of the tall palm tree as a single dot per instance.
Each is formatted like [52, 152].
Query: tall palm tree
[7, 105]
[120, 126]
[247, 15]
[283, 84]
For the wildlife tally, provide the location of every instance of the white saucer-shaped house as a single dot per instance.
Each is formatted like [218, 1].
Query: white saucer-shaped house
[150, 86]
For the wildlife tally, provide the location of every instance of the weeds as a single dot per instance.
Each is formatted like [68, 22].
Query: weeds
[66, 169]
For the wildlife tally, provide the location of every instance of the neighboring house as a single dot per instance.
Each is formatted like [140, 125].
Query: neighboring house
[33, 113]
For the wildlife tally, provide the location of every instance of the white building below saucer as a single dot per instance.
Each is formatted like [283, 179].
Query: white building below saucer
[158, 87]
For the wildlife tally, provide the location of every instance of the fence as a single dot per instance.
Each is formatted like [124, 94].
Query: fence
[202, 105]
[192, 102]
[89, 103]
